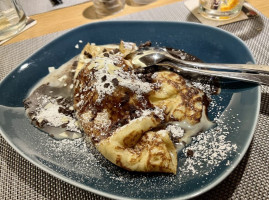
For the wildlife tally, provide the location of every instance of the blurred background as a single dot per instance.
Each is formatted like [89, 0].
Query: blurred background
[46, 5]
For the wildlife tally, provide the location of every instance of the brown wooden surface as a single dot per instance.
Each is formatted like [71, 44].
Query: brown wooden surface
[73, 16]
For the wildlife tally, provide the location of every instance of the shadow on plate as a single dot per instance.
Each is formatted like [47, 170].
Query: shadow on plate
[223, 83]
[236, 85]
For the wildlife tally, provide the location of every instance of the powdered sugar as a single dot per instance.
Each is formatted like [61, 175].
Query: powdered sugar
[206, 88]
[107, 72]
[131, 81]
[102, 121]
[175, 130]
[209, 150]
[103, 84]
[49, 111]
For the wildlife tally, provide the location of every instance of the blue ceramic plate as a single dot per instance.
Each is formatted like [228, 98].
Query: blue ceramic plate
[236, 109]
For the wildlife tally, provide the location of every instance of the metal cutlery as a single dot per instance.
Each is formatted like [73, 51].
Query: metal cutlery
[245, 72]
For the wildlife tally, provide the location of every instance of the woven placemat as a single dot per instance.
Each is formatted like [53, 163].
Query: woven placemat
[19, 179]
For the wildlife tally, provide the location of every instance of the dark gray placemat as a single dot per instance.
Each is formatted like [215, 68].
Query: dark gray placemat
[19, 179]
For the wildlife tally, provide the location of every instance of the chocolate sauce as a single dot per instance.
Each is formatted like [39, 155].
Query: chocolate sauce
[54, 91]
[122, 105]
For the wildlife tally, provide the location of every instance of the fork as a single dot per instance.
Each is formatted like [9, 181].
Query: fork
[244, 72]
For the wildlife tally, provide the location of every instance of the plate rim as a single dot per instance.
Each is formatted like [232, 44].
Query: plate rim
[109, 195]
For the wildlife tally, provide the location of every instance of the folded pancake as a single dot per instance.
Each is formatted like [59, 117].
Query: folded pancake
[178, 100]
[122, 109]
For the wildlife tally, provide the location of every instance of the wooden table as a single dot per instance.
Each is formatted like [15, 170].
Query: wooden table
[73, 16]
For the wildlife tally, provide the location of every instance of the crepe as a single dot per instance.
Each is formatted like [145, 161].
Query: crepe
[123, 109]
